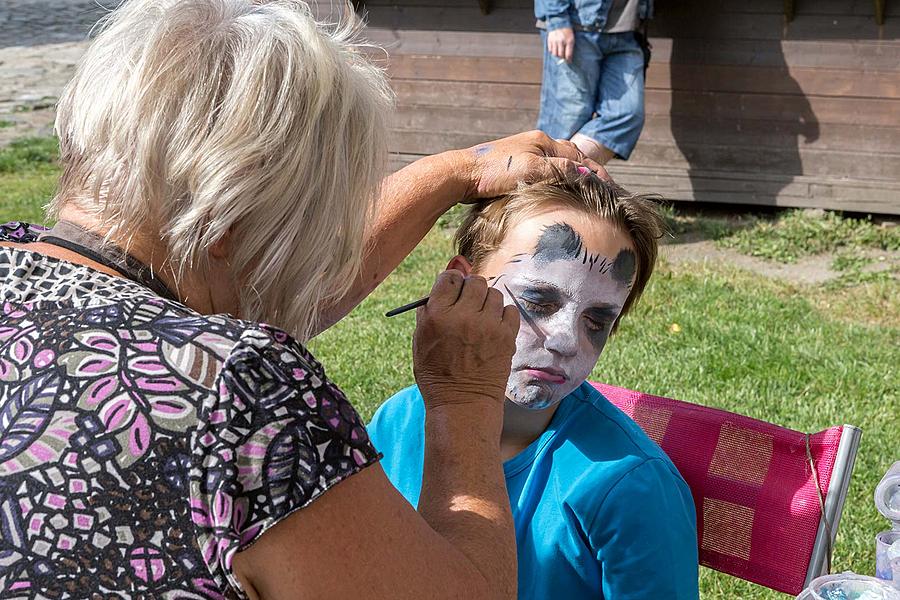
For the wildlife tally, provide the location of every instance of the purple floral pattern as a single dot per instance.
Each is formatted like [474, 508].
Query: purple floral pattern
[141, 444]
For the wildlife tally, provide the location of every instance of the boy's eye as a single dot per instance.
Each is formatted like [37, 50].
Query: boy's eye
[537, 307]
[595, 325]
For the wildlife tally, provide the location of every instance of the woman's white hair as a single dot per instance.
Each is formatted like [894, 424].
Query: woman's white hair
[190, 119]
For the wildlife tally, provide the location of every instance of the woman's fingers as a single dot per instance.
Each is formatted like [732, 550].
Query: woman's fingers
[549, 168]
[511, 319]
[498, 167]
[473, 294]
[447, 289]
[493, 303]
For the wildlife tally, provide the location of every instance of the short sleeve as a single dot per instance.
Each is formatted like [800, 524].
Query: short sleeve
[645, 536]
[274, 436]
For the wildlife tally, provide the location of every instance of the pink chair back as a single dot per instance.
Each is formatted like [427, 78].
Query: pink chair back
[758, 509]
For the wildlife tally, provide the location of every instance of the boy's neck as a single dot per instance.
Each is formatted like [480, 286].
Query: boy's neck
[521, 426]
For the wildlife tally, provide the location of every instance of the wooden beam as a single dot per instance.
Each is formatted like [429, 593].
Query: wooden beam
[790, 10]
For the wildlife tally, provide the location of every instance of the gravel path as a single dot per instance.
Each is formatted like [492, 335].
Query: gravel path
[40, 43]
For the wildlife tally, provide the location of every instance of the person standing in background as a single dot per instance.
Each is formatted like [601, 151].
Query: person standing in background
[592, 88]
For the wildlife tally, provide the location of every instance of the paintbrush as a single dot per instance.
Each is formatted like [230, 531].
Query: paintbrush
[407, 307]
[423, 301]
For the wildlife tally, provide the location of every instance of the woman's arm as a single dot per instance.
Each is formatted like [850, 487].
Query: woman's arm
[361, 538]
[413, 198]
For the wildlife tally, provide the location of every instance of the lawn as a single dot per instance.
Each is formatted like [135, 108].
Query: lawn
[805, 357]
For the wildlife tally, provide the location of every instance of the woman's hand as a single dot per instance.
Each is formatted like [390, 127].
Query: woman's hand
[413, 198]
[464, 342]
[495, 168]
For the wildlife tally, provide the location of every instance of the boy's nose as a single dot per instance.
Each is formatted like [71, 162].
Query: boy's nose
[562, 341]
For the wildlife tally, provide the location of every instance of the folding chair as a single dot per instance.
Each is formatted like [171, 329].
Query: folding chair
[768, 499]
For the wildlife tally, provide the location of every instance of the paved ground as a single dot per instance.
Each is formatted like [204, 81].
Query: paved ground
[40, 43]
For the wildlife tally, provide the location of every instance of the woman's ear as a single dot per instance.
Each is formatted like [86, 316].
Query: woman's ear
[221, 249]
[460, 263]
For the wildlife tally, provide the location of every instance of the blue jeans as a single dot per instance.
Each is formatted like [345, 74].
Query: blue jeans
[600, 94]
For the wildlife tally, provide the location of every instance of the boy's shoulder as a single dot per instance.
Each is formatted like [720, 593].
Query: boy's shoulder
[605, 452]
[595, 421]
[407, 405]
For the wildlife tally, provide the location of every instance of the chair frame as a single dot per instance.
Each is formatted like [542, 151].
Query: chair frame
[848, 447]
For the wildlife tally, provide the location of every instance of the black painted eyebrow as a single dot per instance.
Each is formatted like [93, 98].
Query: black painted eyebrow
[606, 312]
[558, 242]
[536, 283]
[603, 310]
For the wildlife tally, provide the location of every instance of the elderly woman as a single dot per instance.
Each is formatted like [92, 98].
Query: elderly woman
[220, 163]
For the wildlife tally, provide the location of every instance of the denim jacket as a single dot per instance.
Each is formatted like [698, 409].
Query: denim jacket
[592, 14]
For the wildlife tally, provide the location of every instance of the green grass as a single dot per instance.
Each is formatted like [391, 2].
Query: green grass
[28, 173]
[795, 234]
[745, 344]
[805, 357]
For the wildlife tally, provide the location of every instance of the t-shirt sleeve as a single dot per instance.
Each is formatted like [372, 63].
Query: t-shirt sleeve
[645, 536]
[274, 436]
[398, 431]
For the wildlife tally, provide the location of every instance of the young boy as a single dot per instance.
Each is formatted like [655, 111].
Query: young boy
[600, 511]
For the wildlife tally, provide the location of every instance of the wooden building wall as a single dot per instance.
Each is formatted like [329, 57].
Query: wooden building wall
[742, 107]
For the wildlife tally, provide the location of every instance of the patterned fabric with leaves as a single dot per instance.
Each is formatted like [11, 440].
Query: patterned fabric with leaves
[142, 444]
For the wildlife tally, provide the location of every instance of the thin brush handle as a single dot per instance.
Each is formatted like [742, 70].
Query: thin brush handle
[407, 307]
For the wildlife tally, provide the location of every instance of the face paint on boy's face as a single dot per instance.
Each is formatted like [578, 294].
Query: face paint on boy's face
[571, 296]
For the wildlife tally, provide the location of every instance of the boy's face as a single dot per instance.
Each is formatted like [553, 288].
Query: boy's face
[571, 274]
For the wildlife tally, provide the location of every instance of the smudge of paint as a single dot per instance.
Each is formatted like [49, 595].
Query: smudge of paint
[509, 163]
[482, 150]
[558, 242]
[623, 267]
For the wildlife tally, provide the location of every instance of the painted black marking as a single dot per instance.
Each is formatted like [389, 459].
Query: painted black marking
[623, 267]
[509, 163]
[558, 242]
[525, 316]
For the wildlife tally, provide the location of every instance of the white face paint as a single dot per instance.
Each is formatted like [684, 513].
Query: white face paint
[571, 274]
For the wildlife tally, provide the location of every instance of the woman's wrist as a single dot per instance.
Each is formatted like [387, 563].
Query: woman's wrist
[458, 169]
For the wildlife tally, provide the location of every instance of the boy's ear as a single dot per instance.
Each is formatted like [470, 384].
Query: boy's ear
[460, 263]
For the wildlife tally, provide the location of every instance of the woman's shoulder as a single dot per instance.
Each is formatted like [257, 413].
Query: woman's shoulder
[20, 232]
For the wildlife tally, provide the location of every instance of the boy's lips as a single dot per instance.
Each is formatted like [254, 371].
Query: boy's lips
[549, 374]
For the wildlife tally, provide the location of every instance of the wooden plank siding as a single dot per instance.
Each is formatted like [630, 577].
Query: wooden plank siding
[741, 106]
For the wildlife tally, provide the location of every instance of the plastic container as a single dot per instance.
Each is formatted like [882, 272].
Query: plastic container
[887, 557]
[887, 495]
[848, 586]
[887, 543]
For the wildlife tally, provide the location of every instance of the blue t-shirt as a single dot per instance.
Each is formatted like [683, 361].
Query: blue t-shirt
[600, 510]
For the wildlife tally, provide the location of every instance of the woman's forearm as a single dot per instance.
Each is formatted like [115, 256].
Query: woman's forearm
[464, 497]
[413, 198]
[411, 201]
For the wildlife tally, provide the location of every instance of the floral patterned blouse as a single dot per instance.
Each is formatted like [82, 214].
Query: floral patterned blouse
[143, 444]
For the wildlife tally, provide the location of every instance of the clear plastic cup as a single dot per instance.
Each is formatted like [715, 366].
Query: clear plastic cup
[848, 586]
[887, 557]
[887, 495]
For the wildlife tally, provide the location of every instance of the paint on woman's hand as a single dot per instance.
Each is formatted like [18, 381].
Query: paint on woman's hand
[483, 149]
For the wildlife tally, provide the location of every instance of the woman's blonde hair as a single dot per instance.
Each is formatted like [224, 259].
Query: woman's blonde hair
[192, 119]
[486, 225]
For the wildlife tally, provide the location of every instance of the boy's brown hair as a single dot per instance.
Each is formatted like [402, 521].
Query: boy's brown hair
[486, 225]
